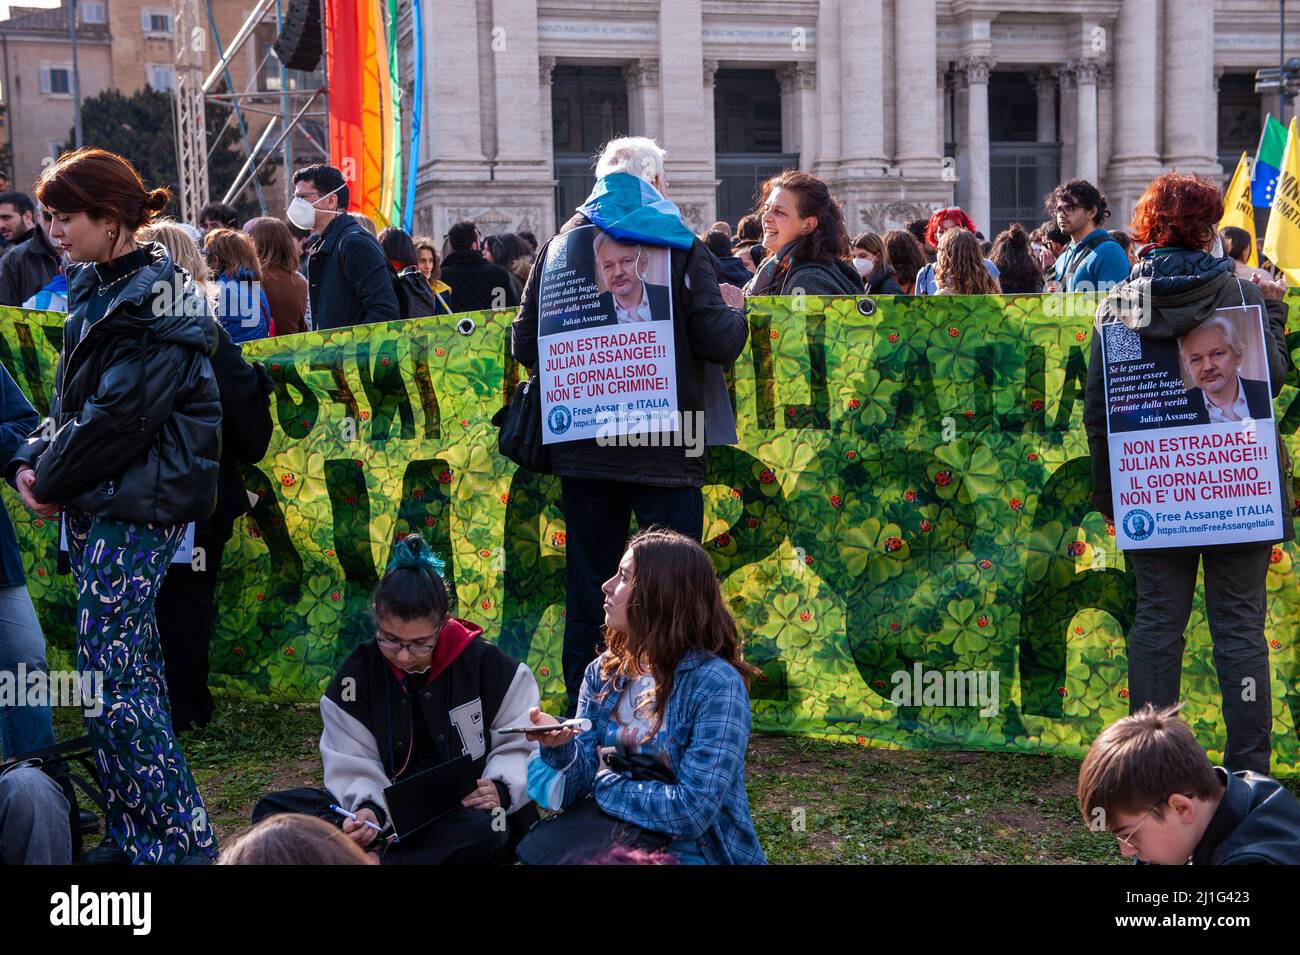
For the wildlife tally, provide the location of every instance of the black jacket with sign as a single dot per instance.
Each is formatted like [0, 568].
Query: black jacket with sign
[349, 280]
[1178, 290]
[705, 330]
[136, 414]
[1257, 823]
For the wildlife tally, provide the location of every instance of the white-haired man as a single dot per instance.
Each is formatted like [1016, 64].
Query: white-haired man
[603, 485]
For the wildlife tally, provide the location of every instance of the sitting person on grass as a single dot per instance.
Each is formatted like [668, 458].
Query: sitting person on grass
[668, 703]
[1147, 781]
[426, 690]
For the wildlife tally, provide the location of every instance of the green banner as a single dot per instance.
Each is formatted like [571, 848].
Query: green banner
[906, 510]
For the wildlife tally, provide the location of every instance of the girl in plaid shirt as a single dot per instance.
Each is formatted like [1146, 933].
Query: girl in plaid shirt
[672, 686]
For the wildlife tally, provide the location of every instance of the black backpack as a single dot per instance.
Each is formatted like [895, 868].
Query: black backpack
[414, 296]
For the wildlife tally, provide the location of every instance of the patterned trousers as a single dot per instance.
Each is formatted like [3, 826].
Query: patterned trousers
[155, 813]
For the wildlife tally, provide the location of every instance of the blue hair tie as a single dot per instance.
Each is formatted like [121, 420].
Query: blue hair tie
[414, 551]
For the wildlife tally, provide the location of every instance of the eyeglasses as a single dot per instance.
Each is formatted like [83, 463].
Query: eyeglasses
[1128, 840]
[1066, 207]
[420, 648]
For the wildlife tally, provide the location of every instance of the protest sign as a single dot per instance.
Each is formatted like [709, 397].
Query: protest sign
[607, 363]
[1193, 441]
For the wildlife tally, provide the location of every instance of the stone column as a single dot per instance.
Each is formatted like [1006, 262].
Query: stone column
[1212, 116]
[829, 120]
[643, 98]
[942, 93]
[1085, 74]
[453, 111]
[710, 72]
[1189, 83]
[799, 111]
[1046, 85]
[1105, 120]
[960, 137]
[916, 107]
[862, 76]
[688, 135]
[1135, 161]
[1069, 122]
[977, 137]
[516, 64]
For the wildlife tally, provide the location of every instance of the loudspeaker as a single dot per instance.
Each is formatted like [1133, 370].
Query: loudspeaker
[299, 44]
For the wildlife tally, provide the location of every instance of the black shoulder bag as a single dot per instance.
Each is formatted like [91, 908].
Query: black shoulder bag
[520, 424]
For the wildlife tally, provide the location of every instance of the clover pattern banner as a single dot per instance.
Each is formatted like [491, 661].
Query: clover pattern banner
[910, 490]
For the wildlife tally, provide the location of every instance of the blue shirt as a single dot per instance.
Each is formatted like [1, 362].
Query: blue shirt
[242, 307]
[926, 285]
[707, 731]
[1100, 269]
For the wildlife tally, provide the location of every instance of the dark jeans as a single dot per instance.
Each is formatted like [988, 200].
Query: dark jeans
[597, 515]
[186, 610]
[1234, 604]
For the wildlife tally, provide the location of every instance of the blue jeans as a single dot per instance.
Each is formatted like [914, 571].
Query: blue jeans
[34, 827]
[22, 728]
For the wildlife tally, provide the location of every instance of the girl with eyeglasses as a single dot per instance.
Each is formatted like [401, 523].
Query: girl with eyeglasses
[428, 688]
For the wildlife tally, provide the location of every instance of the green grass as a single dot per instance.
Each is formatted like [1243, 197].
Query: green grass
[813, 801]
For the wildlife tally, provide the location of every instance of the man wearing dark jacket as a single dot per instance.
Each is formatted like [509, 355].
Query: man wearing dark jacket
[349, 282]
[186, 605]
[1147, 781]
[1172, 292]
[476, 284]
[30, 264]
[604, 485]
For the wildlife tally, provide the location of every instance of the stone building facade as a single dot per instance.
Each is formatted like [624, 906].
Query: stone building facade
[902, 105]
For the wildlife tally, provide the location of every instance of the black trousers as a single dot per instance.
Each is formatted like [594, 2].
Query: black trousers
[597, 515]
[186, 610]
[463, 837]
[1234, 603]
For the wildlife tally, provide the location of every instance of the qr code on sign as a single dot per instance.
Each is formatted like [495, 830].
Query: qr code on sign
[1122, 343]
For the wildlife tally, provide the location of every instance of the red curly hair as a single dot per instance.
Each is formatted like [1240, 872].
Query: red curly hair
[1178, 209]
[937, 217]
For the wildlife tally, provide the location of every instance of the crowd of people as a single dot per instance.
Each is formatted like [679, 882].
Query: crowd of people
[434, 745]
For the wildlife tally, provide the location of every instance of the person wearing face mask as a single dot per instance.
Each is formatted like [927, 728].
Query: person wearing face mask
[348, 279]
[425, 689]
[869, 259]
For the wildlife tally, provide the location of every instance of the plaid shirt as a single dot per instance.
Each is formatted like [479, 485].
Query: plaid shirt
[708, 731]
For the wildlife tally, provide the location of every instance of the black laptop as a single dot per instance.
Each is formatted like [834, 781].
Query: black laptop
[427, 796]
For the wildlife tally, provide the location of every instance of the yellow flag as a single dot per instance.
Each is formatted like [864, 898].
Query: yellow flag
[1237, 209]
[1282, 240]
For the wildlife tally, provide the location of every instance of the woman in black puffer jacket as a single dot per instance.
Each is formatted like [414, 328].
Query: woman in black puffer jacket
[804, 230]
[130, 455]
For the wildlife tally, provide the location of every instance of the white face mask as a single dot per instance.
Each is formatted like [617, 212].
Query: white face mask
[303, 213]
[864, 266]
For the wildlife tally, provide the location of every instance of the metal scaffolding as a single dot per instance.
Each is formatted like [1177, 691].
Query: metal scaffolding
[194, 91]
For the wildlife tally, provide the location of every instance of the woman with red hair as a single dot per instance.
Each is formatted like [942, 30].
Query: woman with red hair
[941, 221]
[1179, 284]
